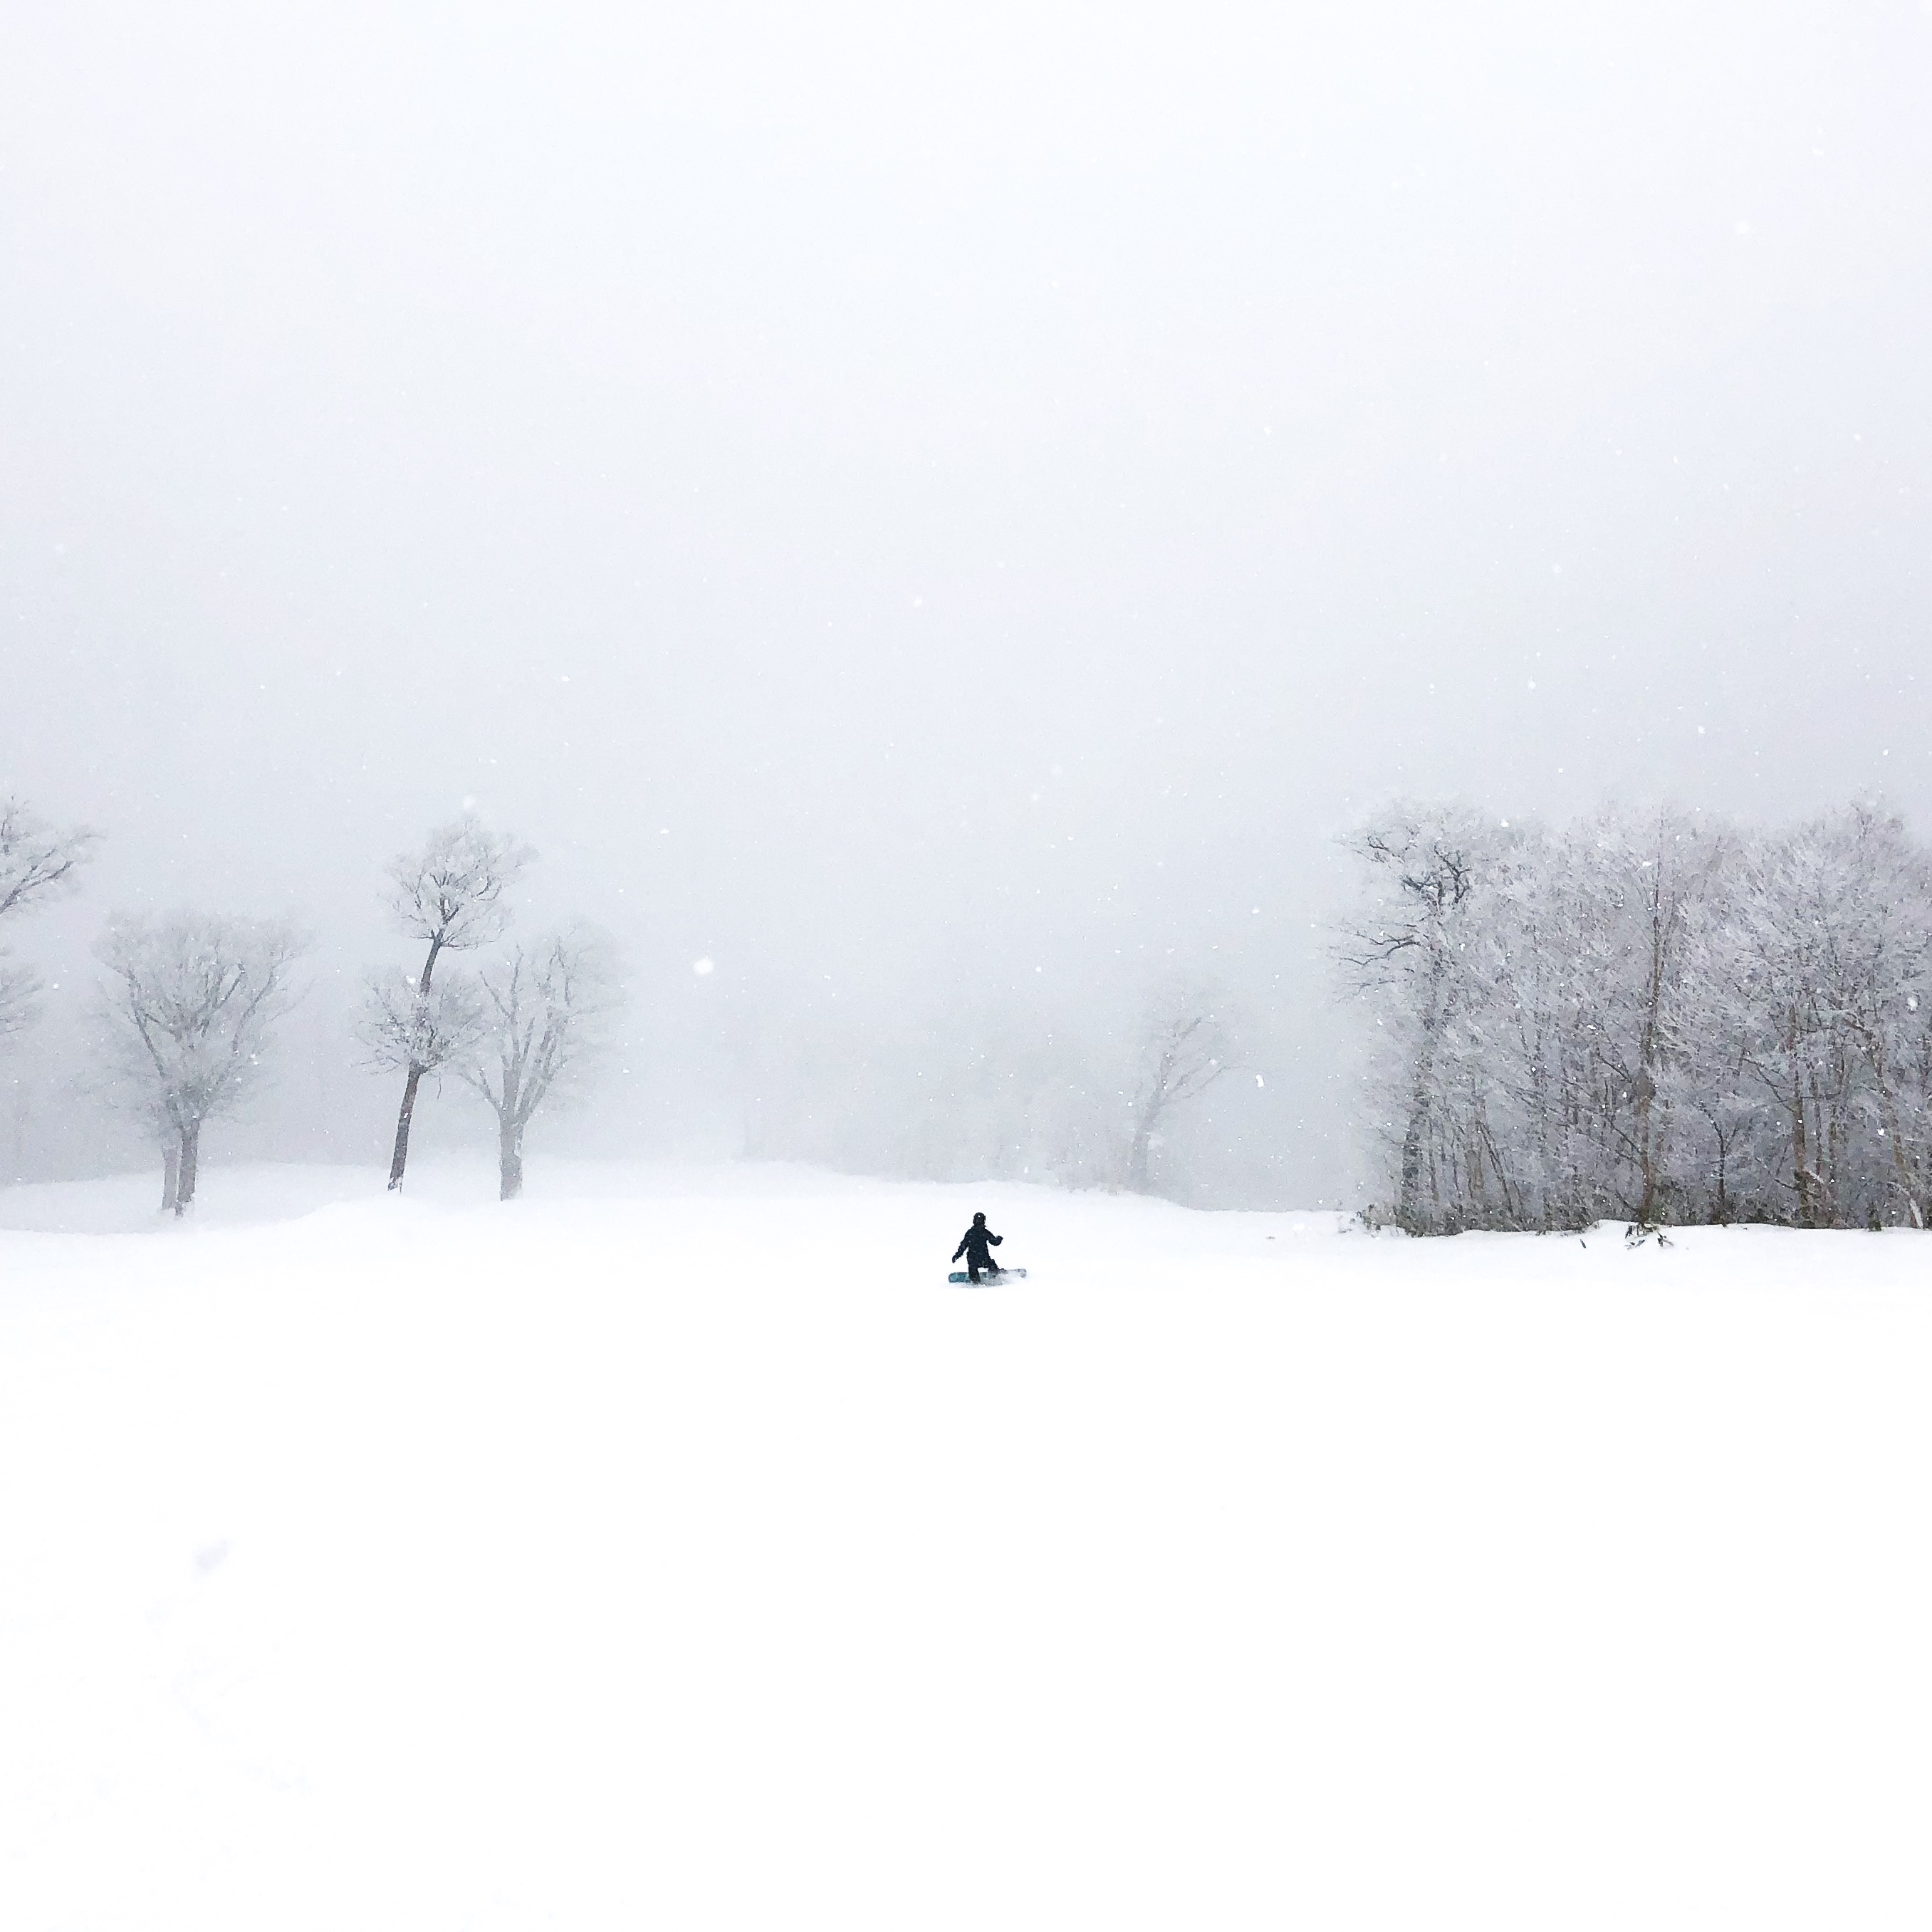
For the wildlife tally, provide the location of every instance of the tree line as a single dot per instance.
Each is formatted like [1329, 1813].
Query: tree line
[1657, 1018]
[190, 1000]
[183, 1030]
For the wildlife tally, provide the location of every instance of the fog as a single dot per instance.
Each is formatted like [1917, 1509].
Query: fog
[944, 515]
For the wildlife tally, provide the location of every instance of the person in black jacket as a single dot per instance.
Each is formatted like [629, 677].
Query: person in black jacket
[973, 1244]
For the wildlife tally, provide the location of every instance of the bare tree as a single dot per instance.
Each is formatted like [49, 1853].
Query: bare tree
[546, 1014]
[189, 1005]
[1408, 949]
[450, 895]
[1184, 1050]
[38, 863]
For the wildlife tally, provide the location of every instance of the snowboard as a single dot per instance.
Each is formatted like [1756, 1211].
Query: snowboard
[998, 1274]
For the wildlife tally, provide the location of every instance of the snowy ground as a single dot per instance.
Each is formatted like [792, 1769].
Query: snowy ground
[675, 1549]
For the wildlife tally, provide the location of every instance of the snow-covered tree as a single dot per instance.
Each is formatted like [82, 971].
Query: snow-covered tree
[546, 1011]
[405, 1028]
[1407, 952]
[189, 1003]
[450, 896]
[1825, 1006]
[38, 863]
[1184, 1048]
[1598, 940]
[1654, 1018]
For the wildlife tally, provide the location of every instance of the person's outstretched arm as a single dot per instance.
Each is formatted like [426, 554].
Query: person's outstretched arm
[996, 1239]
[958, 1251]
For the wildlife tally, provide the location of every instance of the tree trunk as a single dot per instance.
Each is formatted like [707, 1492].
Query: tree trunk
[1834, 1168]
[170, 1176]
[1409, 1206]
[1512, 1204]
[190, 1155]
[1643, 1088]
[1137, 1155]
[510, 1161]
[1889, 1102]
[1801, 1159]
[400, 1158]
[1900, 1166]
[1643, 1092]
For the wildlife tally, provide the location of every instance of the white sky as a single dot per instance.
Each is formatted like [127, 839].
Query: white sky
[913, 496]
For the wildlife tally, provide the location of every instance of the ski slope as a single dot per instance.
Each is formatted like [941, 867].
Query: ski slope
[674, 1549]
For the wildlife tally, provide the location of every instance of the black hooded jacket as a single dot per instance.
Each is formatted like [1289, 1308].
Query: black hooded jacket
[974, 1243]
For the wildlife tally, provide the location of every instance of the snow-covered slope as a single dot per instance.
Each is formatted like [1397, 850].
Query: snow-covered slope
[674, 1549]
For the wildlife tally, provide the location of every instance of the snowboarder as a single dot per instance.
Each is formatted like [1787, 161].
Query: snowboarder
[973, 1244]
